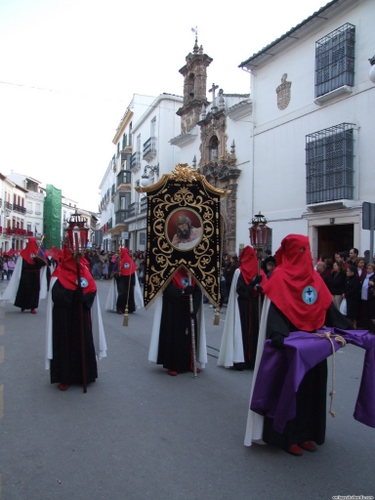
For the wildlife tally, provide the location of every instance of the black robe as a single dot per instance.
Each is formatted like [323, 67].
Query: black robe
[248, 305]
[66, 365]
[29, 286]
[125, 295]
[352, 291]
[174, 351]
[309, 423]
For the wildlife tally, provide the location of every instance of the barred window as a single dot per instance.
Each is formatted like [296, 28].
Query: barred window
[329, 164]
[334, 60]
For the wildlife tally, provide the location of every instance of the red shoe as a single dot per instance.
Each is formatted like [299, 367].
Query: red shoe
[307, 446]
[33, 311]
[120, 312]
[294, 449]
[63, 387]
[172, 373]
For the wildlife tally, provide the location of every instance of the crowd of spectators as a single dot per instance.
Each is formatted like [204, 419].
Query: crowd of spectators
[348, 277]
[7, 265]
[102, 263]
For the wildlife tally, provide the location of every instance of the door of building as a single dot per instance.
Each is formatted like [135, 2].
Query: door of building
[335, 238]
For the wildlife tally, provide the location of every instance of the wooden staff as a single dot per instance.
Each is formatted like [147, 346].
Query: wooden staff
[192, 330]
[82, 327]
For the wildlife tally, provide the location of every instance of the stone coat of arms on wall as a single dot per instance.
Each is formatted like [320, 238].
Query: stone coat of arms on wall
[283, 93]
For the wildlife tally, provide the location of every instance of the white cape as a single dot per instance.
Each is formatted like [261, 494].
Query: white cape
[110, 303]
[98, 333]
[201, 345]
[10, 293]
[231, 348]
[254, 424]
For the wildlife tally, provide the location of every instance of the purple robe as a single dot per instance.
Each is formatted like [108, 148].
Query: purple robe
[275, 396]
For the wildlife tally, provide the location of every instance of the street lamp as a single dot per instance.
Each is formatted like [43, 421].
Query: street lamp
[259, 235]
[145, 179]
[77, 233]
[77, 238]
[371, 74]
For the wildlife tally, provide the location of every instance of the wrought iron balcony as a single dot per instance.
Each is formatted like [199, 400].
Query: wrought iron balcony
[149, 149]
[19, 208]
[143, 205]
[136, 160]
[122, 215]
[124, 177]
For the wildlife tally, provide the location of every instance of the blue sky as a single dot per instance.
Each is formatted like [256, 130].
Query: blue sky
[69, 68]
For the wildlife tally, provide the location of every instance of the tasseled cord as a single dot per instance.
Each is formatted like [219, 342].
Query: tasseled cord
[126, 314]
[342, 341]
[217, 317]
[126, 317]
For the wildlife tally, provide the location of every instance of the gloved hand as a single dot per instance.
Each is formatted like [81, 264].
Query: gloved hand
[259, 289]
[256, 280]
[189, 290]
[277, 341]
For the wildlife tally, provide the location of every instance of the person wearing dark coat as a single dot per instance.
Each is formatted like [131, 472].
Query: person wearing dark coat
[336, 282]
[229, 272]
[352, 289]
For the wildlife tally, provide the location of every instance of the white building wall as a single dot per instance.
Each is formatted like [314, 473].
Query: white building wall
[279, 136]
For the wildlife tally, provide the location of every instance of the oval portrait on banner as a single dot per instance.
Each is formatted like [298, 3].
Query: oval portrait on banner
[184, 229]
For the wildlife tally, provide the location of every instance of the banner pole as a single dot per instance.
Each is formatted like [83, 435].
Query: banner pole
[192, 321]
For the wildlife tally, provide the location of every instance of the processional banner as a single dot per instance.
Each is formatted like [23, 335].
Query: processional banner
[183, 230]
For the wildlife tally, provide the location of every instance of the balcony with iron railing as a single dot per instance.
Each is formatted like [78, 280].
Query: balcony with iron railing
[20, 209]
[136, 161]
[133, 209]
[121, 216]
[149, 149]
[8, 205]
[124, 177]
[143, 205]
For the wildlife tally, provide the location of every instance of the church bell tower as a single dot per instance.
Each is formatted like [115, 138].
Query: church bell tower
[195, 83]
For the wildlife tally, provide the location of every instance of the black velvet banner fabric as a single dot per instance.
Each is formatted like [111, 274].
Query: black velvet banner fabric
[183, 229]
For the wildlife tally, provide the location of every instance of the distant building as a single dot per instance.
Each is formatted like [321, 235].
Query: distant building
[21, 211]
[143, 154]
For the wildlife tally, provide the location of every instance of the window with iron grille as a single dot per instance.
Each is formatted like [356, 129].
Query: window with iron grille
[334, 60]
[329, 164]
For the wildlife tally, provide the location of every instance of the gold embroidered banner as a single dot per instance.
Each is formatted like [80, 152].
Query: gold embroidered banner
[183, 229]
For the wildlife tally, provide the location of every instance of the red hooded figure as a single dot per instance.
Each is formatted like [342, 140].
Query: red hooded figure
[72, 323]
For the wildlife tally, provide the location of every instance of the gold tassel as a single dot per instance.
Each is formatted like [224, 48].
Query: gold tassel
[126, 318]
[217, 317]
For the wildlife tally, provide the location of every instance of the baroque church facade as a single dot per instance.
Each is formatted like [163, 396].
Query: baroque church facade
[214, 139]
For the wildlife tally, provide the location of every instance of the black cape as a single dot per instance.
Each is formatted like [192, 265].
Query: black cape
[66, 365]
[174, 351]
[29, 286]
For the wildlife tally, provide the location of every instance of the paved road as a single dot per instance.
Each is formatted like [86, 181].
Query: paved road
[138, 434]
